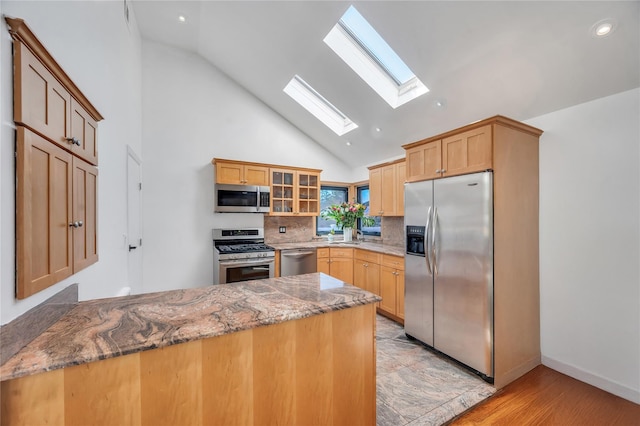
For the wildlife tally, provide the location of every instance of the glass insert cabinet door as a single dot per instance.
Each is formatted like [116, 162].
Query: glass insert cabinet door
[308, 194]
[282, 191]
[295, 192]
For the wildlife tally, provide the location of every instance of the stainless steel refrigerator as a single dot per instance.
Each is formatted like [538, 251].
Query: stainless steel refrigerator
[449, 267]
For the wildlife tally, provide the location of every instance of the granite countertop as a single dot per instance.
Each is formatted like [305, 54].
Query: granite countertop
[104, 328]
[377, 247]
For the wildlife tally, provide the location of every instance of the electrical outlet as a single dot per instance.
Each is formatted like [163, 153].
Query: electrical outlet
[283, 229]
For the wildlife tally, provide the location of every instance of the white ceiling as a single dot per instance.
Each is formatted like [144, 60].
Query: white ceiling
[520, 59]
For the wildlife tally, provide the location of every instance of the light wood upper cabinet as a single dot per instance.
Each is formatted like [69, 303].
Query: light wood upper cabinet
[454, 153]
[238, 173]
[295, 192]
[467, 152]
[44, 105]
[84, 133]
[386, 189]
[424, 161]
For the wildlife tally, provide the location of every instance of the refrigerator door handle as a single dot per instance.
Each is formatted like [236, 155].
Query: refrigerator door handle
[433, 241]
[426, 234]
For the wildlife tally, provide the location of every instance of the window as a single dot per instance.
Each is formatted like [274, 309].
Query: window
[360, 46]
[330, 195]
[363, 198]
[319, 106]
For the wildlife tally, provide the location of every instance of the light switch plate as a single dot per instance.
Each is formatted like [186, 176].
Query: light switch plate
[283, 229]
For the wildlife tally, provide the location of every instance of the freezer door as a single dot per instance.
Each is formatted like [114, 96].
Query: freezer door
[463, 282]
[418, 293]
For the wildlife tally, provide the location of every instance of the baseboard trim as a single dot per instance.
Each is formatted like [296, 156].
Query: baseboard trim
[593, 379]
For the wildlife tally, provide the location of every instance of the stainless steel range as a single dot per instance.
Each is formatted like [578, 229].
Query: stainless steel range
[241, 255]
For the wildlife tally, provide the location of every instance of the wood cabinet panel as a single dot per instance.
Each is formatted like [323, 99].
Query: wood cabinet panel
[274, 374]
[33, 400]
[388, 289]
[84, 133]
[40, 101]
[400, 294]
[318, 370]
[227, 379]
[386, 189]
[238, 173]
[467, 152]
[167, 394]
[367, 255]
[401, 177]
[44, 205]
[111, 388]
[337, 262]
[85, 203]
[424, 161]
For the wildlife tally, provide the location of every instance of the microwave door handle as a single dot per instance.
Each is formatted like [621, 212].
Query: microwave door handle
[426, 239]
[258, 199]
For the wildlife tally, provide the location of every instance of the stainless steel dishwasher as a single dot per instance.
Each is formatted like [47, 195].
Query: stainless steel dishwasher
[297, 261]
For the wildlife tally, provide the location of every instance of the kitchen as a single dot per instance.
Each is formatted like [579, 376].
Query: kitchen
[147, 109]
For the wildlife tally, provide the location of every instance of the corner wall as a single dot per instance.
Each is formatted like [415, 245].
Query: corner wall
[94, 45]
[590, 242]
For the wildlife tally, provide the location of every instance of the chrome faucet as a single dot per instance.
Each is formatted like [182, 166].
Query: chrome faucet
[359, 236]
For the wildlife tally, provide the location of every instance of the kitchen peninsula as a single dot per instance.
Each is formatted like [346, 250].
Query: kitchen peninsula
[292, 350]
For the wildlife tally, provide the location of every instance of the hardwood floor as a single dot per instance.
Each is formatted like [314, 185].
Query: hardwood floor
[547, 397]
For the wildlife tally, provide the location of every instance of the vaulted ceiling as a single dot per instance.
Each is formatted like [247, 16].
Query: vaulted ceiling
[520, 59]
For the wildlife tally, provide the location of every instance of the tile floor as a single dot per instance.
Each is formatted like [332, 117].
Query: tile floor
[417, 387]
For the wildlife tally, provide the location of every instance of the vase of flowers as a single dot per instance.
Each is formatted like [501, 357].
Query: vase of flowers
[346, 216]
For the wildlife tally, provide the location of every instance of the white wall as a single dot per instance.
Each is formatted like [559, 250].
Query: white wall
[93, 44]
[191, 114]
[590, 242]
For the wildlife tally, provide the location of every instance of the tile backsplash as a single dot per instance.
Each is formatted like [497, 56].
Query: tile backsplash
[302, 229]
[299, 229]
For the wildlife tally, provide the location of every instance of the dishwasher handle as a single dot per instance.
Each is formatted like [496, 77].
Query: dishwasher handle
[297, 254]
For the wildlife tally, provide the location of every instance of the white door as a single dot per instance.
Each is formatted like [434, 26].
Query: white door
[134, 220]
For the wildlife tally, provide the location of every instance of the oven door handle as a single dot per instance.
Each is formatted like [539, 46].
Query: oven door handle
[240, 263]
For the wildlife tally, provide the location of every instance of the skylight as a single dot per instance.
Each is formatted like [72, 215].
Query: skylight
[319, 106]
[358, 44]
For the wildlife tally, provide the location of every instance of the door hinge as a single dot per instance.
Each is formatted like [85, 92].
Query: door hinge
[139, 186]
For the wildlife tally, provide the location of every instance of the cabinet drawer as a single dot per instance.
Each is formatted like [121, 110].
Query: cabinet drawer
[323, 252]
[396, 262]
[342, 252]
[367, 256]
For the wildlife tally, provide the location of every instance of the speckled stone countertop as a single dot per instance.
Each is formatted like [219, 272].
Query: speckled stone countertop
[377, 247]
[105, 328]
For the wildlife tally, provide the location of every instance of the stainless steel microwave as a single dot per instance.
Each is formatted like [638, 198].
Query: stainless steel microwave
[242, 199]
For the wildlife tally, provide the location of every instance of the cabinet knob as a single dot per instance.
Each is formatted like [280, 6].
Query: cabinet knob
[443, 171]
[438, 171]
[73, 141]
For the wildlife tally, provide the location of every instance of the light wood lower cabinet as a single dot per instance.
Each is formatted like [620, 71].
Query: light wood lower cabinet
[337, 262]
[392, 285]
[366, 271]
[317, 370]
[56, 230]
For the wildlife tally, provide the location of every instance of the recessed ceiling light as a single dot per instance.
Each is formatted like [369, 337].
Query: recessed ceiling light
[378, 129]
[348, 143]
[182, 18]
[603, 28]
